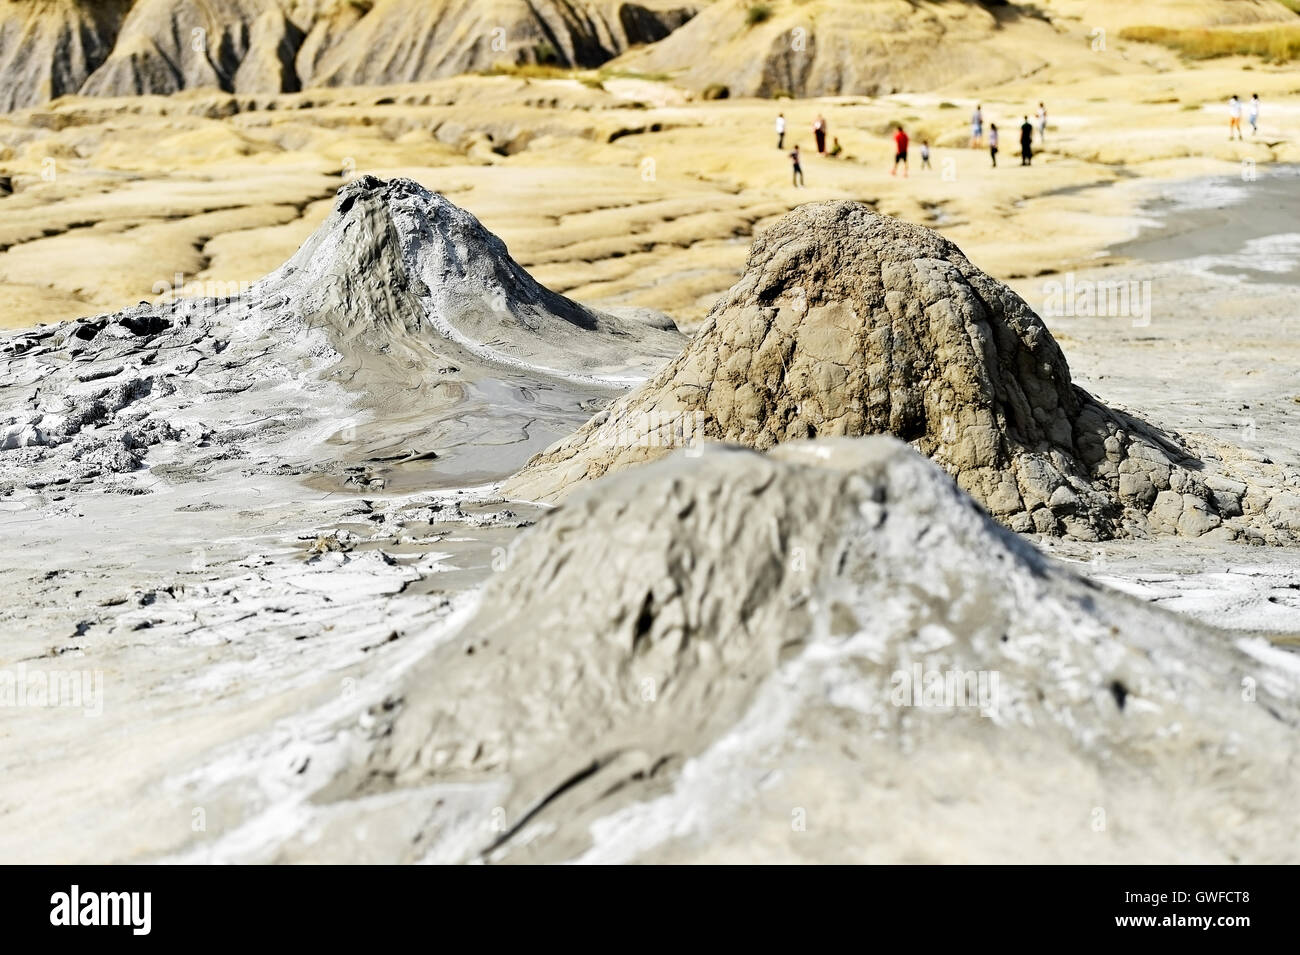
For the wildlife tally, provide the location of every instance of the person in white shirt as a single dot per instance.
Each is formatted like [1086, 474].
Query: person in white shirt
[1253, 113]
[1042, 124]
[1234, 116]
[780, 130]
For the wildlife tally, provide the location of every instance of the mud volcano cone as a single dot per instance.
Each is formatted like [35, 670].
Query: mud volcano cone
[849, 323]
[678, 637]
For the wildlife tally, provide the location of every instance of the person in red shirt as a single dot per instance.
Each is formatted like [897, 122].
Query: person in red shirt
[900, 152]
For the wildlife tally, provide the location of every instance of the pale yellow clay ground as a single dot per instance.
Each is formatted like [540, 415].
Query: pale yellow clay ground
[637, 194]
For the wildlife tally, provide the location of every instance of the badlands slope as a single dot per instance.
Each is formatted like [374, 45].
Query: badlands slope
[52, 48]
[874, 47]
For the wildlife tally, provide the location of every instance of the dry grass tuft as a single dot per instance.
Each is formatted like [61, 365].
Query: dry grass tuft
[1279, 44]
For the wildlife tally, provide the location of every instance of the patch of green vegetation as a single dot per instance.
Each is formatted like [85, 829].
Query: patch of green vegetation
[757, 13]
[609, 74]
[1277, 44]
[545, 54]
[530, 71]
[946, 105]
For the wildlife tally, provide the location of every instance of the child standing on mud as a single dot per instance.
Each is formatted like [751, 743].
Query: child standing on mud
[977, 127]
[993, 144]
[796, 169]
[900, 152]
[925, 154]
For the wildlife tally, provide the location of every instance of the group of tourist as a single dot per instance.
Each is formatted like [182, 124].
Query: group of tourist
[902, 141]
[978, 139]
[1026, 134]
[1234, 115]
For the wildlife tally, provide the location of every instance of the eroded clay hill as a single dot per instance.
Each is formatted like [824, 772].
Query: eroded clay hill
[49, 48]
[874, 47]
[849, 323]
[676, 640]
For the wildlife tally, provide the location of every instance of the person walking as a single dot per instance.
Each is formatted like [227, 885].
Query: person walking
[900, 152]
[819, 134]
[993, 144]
[925, 154]
[780, 130]
[1042, 124]
[796, 167]
[1026, 142]
[1252, 113]
[1234, 116]
[977, 127]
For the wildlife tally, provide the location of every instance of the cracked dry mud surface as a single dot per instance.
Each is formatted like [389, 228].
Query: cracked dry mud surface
[850, 323]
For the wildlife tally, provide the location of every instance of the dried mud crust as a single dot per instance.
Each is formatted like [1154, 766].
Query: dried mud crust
[848, 323]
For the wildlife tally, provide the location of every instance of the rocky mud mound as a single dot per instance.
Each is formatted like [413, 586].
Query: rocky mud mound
[847, 323]
[685, 654]
[401, 307]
